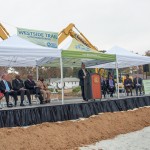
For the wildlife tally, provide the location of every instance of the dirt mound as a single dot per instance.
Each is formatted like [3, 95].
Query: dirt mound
[72, 134]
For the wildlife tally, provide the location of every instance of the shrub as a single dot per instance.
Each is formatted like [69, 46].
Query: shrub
[76, 89]
[52, 90]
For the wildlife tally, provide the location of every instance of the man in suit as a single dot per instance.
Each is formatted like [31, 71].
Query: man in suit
[6, 88]
[111, 85]
[128, 85]
[81, 75]
[31, 86]
[19, 87]
[137, 81]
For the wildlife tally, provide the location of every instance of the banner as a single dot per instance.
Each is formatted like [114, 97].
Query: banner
[43, 38]
[146, 84]
[90, 55]
[75, 45]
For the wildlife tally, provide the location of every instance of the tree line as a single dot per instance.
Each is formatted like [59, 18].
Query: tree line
[54, 72]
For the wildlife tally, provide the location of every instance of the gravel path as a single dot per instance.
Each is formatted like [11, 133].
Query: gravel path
[139, 140]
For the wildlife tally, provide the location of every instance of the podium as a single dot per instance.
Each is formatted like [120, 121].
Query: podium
[92, 86]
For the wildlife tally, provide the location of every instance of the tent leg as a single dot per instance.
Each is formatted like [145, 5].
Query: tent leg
[62, 84]
[117, 76]
[37, 72]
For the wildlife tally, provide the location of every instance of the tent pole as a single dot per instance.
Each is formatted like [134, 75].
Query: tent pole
[61, 70]
[37, 71]
[117, 76]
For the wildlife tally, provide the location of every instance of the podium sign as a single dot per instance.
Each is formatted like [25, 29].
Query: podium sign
[96, 86]
[92, 86]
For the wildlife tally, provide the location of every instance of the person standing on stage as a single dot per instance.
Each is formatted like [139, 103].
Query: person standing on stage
[81, 75]
[137, 84]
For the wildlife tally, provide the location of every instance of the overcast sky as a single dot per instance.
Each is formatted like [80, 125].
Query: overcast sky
[106, 23]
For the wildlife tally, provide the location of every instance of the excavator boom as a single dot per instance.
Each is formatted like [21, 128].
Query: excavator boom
[3, 32]
[68, 31]
[65, 33]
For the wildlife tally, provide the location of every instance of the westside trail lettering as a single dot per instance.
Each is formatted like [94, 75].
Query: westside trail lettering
[38, 34]
[43, 38]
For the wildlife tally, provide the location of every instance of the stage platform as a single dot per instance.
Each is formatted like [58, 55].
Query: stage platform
[71, 109]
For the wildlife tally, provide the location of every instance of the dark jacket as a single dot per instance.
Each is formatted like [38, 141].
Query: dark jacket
[3, 87]
[127, 81]
[29, 84]
[17, 84]
[80, 76]
[135, 81]
[104, 85]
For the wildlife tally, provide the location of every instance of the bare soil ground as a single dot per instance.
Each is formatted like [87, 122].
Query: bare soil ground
[73, 134]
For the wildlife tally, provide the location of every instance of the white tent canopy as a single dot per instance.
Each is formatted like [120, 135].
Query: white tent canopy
[18, 52]
[124, 59]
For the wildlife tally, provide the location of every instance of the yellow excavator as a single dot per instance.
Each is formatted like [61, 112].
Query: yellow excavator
[3, 32]
[68, 31]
